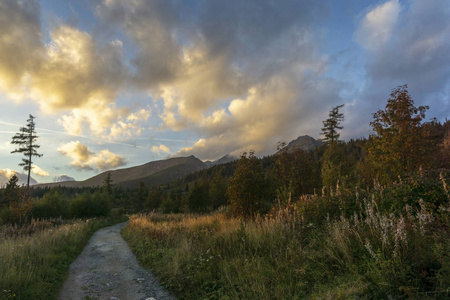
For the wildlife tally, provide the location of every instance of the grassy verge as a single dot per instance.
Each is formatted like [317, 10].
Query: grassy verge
[35, 259]
[369, 255]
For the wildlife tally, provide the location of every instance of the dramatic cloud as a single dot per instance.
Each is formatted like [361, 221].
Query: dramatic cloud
[83, 158]
[72, 72]
[268, 114]
[239, 74]
[77, 72]
[38, 171]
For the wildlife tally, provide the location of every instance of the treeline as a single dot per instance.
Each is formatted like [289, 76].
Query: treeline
[19, 205]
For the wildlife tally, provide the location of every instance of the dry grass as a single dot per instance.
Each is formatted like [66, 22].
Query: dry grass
[289, 254]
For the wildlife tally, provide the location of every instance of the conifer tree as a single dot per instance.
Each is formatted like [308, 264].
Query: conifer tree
[11, 192]
[26, 139]
[331, 125]
[107, 184]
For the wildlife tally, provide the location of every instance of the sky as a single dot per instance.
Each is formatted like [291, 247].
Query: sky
[119, 83]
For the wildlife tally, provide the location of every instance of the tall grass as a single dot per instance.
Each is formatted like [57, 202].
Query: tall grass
[35, 258]
[315, 249]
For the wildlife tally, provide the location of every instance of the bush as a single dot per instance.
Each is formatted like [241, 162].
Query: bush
[428, 187]
[52, 205]
[89, 205]
[117, 213]
[16, 213]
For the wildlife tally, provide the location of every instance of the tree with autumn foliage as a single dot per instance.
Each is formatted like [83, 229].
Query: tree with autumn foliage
[398, 143]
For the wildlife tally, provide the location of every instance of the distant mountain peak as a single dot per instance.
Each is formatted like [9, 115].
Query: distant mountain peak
[304, 142]
[223, 160]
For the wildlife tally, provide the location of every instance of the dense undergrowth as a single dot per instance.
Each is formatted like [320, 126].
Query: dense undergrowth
[35, 257]
[389, 243]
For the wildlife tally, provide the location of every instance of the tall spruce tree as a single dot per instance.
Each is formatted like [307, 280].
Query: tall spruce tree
[26, 140]
[107, 184]
[331, 125]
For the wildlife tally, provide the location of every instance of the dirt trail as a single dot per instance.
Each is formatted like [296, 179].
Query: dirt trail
[108, 270]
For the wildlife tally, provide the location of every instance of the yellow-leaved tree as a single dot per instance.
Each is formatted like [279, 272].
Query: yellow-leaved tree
[398, 144]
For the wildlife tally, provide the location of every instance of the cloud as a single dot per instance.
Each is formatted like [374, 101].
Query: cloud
[377, 26]
[77, 71]
[129, 126]
[268, 114]
[20, 43]
[83, 158]
[72, 72]
[161, 148]
[151, 25]
[107, 122]
[38, 171]
[240, 74]
[417, 53]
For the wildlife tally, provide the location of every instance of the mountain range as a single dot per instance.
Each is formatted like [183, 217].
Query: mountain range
[164, 171]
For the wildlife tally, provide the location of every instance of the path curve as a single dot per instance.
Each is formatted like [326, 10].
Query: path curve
[108, 270]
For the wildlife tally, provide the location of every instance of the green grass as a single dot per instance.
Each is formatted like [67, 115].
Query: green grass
[288, 255]
[35, 260]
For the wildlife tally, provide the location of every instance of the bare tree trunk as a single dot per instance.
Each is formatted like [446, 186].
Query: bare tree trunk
[29, 162]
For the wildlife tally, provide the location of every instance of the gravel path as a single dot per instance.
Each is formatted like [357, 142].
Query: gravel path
[108, 270]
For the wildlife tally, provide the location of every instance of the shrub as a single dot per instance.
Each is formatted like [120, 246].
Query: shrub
[89, 205]
[52, 205]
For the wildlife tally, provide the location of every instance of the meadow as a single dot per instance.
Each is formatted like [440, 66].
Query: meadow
[344, 245]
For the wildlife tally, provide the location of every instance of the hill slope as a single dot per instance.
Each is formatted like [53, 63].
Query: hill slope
[154, 172]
